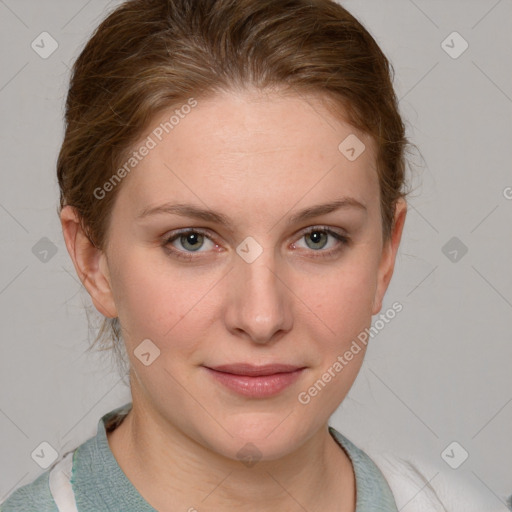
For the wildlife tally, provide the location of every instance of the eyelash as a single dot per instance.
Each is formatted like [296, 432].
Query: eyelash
[188, 256]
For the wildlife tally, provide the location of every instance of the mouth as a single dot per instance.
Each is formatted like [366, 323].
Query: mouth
[255, 381]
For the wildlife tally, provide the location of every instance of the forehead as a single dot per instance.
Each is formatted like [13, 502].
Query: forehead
[250, 143]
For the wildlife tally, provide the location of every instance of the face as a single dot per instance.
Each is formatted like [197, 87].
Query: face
[259, 283]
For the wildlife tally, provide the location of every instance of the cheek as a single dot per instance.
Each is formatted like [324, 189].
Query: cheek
[342, 311]
[343, 299]
[154, 302]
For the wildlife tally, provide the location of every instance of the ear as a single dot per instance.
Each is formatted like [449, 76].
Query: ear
[90, 263]
[389, 251]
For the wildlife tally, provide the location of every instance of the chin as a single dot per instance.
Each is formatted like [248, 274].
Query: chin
[262, 436]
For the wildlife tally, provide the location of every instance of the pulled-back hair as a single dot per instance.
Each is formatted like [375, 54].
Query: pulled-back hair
[150, 55]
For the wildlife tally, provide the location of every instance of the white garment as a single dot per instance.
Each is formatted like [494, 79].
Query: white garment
[60, 484]
[420, 487]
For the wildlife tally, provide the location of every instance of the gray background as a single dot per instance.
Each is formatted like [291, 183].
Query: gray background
[439, 372]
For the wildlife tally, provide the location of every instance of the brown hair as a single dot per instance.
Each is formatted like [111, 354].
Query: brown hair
[150, 55]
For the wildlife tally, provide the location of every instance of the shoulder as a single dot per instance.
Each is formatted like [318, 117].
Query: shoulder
[431, 488]
[416, 483]
[88, 456]
[33, 497]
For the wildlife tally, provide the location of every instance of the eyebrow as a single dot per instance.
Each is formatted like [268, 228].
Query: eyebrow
[189, 210]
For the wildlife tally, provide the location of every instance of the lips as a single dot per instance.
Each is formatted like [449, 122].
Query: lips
[255, 371]
[255, 381]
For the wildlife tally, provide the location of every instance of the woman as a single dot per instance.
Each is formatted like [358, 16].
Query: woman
[233, 197]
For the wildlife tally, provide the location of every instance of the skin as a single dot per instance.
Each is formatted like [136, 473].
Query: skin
[258, 158]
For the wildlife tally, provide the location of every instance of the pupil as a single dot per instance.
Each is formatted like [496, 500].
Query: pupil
[316, 237]
[192, 240]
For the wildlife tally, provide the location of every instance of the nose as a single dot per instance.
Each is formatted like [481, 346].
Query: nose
[260, 303]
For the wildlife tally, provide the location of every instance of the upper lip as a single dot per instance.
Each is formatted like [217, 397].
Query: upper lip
[255, 371]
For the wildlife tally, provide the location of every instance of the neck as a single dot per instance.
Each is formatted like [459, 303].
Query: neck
[170, 470]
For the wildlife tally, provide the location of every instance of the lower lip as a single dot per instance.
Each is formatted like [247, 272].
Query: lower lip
[261, 386]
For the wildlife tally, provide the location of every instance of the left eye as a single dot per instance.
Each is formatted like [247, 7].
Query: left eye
[317, 239]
